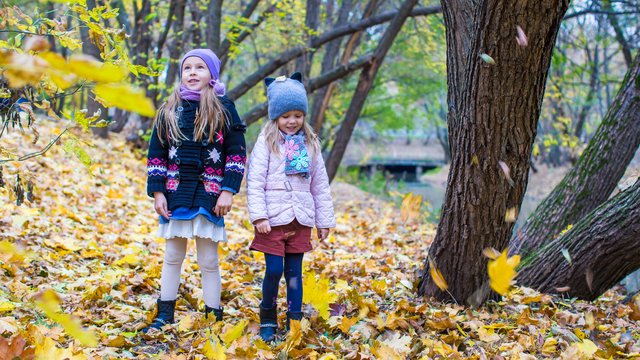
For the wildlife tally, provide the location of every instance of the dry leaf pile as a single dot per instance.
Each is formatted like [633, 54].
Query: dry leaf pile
[81, 269]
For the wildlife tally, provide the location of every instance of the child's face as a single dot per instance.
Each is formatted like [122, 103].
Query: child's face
[291, 122]
[195, 73]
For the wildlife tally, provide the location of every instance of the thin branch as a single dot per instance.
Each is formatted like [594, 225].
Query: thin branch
[37, 153]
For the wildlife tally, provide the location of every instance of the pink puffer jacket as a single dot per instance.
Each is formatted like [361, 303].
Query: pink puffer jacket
[282, 198]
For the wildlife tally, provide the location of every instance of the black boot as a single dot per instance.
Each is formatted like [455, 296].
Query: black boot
[293, 315]
[268, 323]
[216, 312]
[164, 316]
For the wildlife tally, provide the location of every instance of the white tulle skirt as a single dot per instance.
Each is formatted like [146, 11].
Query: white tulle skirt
[190, 229]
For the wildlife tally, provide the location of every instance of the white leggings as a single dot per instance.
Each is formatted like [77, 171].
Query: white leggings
[207, 260]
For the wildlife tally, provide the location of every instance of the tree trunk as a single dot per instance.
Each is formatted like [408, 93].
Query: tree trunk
[624, 44]
[367, 77]
[492, 120]
[312, 20]
[596, 174]
[214, 21]
[322, 96]
[603, 248]
[175, 46]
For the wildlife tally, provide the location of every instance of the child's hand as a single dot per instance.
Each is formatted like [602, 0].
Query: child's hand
[160, 204]
[263, 226]
[323, 233]
[223, 205]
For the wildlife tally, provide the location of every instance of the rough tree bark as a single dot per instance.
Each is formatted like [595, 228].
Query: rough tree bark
[365, 82]
[214, 22]
[608, 235]
[492, 120]
[596, 174]
[312, 21]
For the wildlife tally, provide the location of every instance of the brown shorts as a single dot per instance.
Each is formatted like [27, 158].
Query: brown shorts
[293, 238]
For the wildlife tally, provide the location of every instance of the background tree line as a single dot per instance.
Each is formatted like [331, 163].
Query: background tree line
[383, 62]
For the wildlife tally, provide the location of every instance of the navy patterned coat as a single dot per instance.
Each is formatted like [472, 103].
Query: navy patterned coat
[193, 174]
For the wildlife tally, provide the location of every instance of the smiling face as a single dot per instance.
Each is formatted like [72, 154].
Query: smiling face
[291, 122]
[195, 73]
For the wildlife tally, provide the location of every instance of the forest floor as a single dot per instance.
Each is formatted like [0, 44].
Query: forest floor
[81, 268]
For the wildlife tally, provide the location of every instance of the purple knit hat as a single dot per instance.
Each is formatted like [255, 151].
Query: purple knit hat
[213, 63]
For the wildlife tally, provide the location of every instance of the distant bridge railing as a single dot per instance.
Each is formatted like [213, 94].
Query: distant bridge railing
[400, 169]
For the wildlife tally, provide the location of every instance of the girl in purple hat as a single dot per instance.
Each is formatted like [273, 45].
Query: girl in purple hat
[195, 165]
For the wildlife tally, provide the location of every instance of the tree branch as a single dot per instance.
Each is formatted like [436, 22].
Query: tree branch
[290, 54]
[312, 85]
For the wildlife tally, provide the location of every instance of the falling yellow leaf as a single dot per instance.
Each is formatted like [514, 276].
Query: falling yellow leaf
[511, 215]
[437, 277]
[91, 69]
[49, 305]
[502, 271]
[125, 96]
[491, 253]
[318, 293]
[410, 208]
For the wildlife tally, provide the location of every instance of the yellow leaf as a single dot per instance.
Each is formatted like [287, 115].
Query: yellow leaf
[131, 259]
[214, 350]
[410, 208]
[234, 333]
[15, 254]
[549, 346]
[125, 96]
[317, 293]
[587, 347]
[502, 271]
[49, 305]
[186, 323]
[296, 330]
[437, 277]
[91, 69]
[379, 286]
[347, 323]
[511, 215]
[6, 306]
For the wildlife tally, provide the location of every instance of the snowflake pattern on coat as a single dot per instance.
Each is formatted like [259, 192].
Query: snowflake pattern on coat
[173, 152]
[214, 155]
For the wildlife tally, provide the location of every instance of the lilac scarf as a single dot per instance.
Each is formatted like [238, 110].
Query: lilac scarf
[194, 95]
[297, 160]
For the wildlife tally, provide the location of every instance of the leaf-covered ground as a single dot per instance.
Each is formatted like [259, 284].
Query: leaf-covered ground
[81, 269]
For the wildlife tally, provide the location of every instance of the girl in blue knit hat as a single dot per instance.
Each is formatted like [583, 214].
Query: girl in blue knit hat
[195, 164]
[288, 194]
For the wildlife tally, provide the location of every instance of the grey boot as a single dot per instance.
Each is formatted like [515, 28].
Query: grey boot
[216, 312]
[166, 310]
[268, 323]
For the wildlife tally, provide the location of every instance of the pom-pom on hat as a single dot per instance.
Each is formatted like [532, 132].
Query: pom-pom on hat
[213, 63]
[286, 94]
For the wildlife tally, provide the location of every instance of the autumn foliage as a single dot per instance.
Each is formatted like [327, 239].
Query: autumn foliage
[81, 269]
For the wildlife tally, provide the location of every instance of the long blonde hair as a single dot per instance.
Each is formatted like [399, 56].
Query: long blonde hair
[210, 117]
[273, 136]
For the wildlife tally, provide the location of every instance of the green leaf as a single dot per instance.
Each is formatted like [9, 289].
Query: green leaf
[566, 255]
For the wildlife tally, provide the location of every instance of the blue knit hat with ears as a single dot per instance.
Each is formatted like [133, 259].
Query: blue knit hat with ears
[286, 94]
